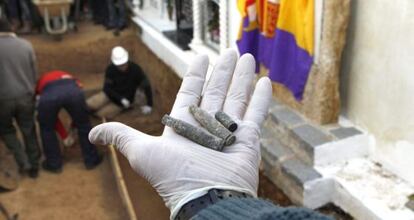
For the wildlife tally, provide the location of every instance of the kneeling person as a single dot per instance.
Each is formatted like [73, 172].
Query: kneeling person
[57, 90]
[122, 79]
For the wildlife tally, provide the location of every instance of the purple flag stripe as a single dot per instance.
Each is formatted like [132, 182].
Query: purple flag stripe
[290, 64]
[248, 42]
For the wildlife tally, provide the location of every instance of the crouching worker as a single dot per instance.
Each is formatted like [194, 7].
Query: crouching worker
[57, 90]
[122, 79]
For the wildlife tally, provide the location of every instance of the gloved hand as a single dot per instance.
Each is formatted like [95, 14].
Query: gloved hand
[181, 170]
[125, 102]
[68, 141]
[146, 110]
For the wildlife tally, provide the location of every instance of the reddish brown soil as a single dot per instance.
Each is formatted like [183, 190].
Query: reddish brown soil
[74, 194]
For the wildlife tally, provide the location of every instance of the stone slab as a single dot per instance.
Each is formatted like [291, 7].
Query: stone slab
[273, 150]
[310, 137]
[286, 117]
[342, 132]
[274, 104]
[299, 172]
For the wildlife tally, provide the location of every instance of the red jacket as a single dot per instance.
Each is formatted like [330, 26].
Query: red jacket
[51, 77]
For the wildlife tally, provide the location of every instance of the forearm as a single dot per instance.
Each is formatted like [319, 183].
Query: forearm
[114, 96]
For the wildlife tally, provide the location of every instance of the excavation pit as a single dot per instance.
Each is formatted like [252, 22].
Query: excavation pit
[81, 194]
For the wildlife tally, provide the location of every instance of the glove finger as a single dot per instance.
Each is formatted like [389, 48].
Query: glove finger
[216, 89]
[241, 87]
[119, 135]
[190, 90]
[192, 85]
[259, 103]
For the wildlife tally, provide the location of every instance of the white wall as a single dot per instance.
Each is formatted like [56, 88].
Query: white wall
[378, 79]
[234, 23]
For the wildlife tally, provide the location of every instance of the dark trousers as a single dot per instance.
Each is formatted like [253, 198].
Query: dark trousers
[99, 10]
[116, 13]
[22, 111]
[67, 95]
[22, 6]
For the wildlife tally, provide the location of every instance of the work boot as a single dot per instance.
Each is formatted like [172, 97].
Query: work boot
[26, 29]
[97, 162]
[50, 169]
[33, 173]
[110, 25]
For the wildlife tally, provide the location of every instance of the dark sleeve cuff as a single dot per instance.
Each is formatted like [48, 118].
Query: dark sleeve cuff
[252, 208]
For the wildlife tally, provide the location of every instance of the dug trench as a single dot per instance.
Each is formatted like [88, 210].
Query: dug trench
[79, 194]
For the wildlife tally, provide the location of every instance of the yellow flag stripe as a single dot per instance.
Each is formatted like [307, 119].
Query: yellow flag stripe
[297, 18]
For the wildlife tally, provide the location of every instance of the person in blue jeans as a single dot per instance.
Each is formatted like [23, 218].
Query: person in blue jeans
[21, 11]
[116, 14]
[99, 11]
[59, 90]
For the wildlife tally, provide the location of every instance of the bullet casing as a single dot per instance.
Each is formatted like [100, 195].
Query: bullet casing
[194, 133]
[226, 121]
[212, 125]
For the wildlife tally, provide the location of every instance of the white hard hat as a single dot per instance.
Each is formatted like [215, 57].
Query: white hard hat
[119, 56]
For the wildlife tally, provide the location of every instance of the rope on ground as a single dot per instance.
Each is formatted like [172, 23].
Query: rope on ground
[6, 214]
[120, 181]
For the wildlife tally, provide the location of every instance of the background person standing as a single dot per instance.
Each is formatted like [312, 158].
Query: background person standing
[17, 86]
[116, 14]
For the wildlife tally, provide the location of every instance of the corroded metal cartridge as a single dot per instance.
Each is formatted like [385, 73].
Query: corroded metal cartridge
[212, 125]
[194, 133]
[226, 121]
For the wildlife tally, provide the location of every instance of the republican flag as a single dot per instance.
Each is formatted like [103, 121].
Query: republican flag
[280, 36]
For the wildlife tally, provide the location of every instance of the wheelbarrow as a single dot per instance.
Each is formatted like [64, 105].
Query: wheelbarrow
[56, 11]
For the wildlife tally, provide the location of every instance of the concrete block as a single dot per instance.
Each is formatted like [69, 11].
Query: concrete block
[275, 104]
[266, 167]
[286, 117]
[266, 131]
[273, 150]
[356, 146]
[318, 193]
[366, 190]
[286, 183]
[299, 172]
[310, 137]
[342, 132]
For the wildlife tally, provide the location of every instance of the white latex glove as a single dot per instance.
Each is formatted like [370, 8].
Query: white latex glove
[181, 170]
[125, 103]
[68, 141]
[146, 110]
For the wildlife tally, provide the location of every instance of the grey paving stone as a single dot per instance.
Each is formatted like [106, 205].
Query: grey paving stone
[342, 133]
[266, 132]
[299, 172]
[286, 117]
[273, 150]
[310, 137]
[274, 103]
